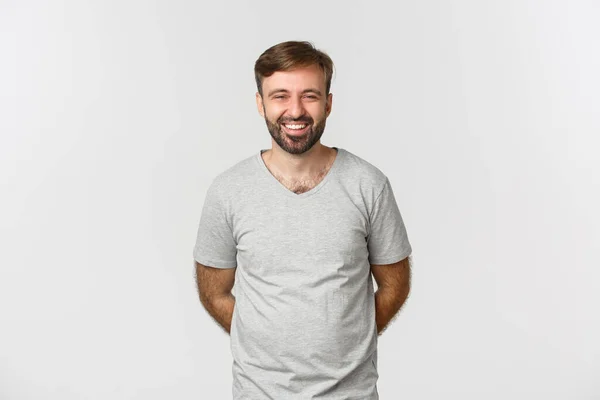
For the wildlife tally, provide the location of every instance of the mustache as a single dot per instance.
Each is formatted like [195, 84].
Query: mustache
[295, 121]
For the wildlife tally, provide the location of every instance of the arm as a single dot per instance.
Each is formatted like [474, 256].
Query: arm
[214, 289]
[393, 286]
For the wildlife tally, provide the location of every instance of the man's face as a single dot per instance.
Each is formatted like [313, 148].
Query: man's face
[295, 107]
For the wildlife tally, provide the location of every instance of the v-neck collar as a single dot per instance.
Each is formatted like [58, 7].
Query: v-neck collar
[288, 192]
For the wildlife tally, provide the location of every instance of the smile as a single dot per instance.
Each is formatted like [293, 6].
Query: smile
[295, 129]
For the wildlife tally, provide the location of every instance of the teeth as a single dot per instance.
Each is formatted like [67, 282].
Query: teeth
[295, 126]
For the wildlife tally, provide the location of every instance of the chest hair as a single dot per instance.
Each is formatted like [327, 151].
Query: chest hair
[301, 185]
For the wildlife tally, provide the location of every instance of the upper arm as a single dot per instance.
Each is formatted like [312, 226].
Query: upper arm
[215, 243]
[394, 276]
[214, 282]
[387, 239]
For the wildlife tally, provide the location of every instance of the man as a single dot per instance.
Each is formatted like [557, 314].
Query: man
[300, 228]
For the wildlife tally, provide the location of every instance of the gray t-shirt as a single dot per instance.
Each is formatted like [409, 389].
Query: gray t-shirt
[304, 318]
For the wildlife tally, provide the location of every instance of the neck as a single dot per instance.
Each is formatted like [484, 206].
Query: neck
[309, 163]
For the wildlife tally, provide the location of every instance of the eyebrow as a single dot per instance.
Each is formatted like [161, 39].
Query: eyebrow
[315, 91]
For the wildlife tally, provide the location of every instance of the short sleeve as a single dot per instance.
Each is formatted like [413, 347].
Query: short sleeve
[387, 242]
[215, 245]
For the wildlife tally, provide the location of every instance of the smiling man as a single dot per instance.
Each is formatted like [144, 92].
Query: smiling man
[301, 229]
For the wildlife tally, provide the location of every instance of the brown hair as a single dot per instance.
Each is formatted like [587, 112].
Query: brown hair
[289, 55]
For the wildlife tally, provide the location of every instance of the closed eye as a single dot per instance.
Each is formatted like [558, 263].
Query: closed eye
[308, 97]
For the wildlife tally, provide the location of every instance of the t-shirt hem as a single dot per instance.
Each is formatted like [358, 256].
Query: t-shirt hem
[210, 262]
[390, 260]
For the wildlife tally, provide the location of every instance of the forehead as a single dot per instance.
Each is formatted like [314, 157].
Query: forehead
[300, 78]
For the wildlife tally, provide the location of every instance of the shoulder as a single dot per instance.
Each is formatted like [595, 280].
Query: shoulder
[363, 173]
[235, 175]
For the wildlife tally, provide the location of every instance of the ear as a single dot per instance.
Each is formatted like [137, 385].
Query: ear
[328, 104]
[259, 105]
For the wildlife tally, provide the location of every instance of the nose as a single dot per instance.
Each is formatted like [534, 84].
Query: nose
[296, 108]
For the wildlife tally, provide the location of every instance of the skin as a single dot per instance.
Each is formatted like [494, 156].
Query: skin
[300, 163]
[214, 288]
[393, 287]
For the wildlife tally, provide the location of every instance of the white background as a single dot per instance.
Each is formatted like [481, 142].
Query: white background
[116, 115]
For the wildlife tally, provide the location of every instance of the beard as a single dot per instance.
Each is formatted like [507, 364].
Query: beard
[296, 144]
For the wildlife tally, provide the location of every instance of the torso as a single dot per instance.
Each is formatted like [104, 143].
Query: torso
[304, 320]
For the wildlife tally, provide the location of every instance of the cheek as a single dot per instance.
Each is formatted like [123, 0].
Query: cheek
[318, 113]
[273, 113]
